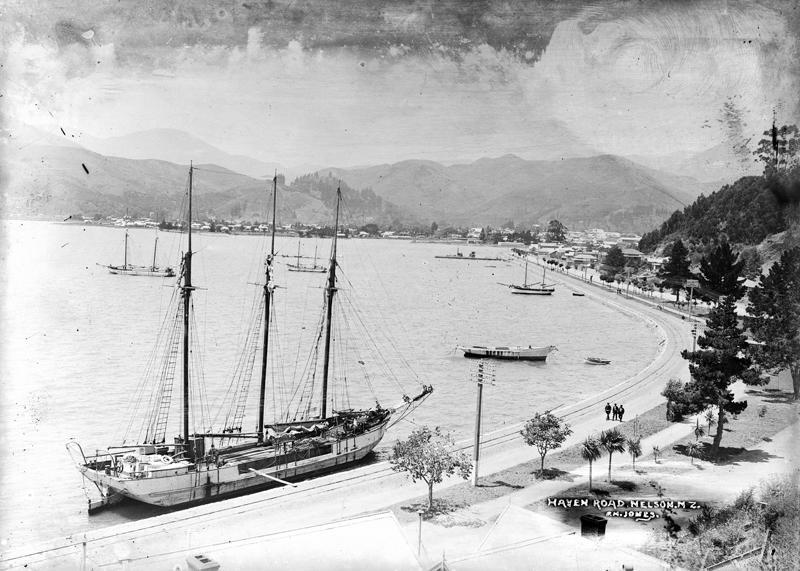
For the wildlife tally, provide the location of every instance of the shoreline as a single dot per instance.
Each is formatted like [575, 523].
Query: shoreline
[360, 482]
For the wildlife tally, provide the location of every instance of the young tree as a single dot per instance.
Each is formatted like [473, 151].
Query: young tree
[590, 451]
[676, 269]
[612, 441]
[693, 449]
[775, 318]
[656, 452]
[709, 419]
[699, 431]
[634, 449]
[545, 432]
[719, 361]
[428, 455]
[674, 393]
[720, 273]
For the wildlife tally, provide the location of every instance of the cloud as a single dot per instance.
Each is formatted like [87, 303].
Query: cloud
[650, 79]
[635, 81]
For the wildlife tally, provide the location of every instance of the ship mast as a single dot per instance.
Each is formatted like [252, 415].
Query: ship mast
[125, 255]
[267, 302]
[525, 281]
[155, 249]
[330, 290]
[187, 295]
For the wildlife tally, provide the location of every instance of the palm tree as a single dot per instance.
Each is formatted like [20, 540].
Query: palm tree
[699, 431]
[634, 449]
[590, 451]
[693, 449]
[710, 419]
[613, 441]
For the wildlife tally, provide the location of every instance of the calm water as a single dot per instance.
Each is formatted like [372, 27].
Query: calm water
[76, 340]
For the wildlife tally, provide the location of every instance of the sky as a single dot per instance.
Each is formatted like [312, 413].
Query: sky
[355, 83]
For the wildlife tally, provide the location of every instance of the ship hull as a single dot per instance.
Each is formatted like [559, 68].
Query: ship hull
[470, 355]
[202, 483]
[140, 271]
[525, 291]
[508, 353]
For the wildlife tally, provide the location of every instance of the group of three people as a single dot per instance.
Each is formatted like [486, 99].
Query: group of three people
[617, 411]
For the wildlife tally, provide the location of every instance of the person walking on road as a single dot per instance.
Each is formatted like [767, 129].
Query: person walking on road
[620, 412]
[608, 411]
[615, 412]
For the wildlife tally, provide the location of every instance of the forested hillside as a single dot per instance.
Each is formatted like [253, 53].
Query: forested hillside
[745, 211]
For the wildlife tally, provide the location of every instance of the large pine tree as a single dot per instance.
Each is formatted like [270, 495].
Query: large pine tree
[720, 273]
[675, 270]
[775, 318]
[720, 360]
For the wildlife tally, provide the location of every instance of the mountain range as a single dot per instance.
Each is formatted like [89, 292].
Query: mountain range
[603, 191]
[54, 180]
[51, 174]
[178, 147]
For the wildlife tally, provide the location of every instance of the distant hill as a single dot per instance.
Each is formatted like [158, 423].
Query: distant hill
[602, 191]
[50, 180]
[178, 147]
[746, 212]
[46, 178]
[719, 164]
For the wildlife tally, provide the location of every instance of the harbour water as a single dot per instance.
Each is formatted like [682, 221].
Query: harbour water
[75, 341]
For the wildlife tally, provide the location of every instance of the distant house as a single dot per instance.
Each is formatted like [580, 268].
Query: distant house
[631, 254]
[548, 247]
[629, 240]
[584, 259]
[655, 262]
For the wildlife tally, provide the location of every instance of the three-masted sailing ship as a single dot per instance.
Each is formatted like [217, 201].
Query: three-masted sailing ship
[132, 270]
[204, 465]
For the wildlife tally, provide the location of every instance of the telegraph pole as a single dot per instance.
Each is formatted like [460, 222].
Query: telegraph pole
[691, 284]
[483, 373]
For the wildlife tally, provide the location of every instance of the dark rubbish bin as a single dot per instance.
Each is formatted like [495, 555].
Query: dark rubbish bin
[593, 524]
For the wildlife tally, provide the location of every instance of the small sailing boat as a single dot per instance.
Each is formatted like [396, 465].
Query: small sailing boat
[209, 462]
[531, 289]
[299, 267]
[131, 270]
